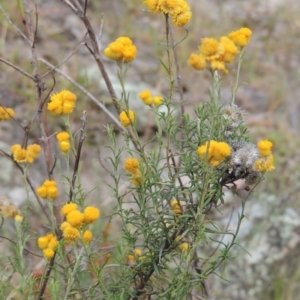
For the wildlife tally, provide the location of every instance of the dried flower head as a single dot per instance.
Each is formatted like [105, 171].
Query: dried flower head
[8, 209]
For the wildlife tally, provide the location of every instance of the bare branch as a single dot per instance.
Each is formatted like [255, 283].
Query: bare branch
[17, 68]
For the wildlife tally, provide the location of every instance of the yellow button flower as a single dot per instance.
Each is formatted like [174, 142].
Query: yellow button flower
[87, 236]
[75, 218]
[127, 118]
[91, 214]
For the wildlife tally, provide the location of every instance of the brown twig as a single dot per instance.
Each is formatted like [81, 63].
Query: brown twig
[17, 68]
[78, 153]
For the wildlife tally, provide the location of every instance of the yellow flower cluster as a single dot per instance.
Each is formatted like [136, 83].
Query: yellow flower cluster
[241, 37]
[131, 165]
[62, 103]
[266, 162]
[48, 244]
[215, 151]
[148, 99]
[219, 53]
[75, 220]
[48, 190]
[132, 258]
[21, 155]
[63, 141]
[127, 118]
[121, 49]
[6, 113]
[179, 10]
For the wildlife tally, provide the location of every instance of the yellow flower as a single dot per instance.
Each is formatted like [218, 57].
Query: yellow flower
[6, 113]
[132, 257]
[67, 208]
[62, 103]
[48, 190]
[167, 6]
[153, 5]
[176, 207]
[218, 65]
[20, 156]
[49, 236]
[131, 164]
[265, 164]
[64, 146]
[183, 247]
[127, 118]
[217, 152]
[33, 150]
[53, 244]
[42, 242]
[91, 214]
[146, 97]
[121, 49]
[197, 61]
[15, 147]
[230, 50]
[71, 234]
[157, 100]
[64, 225]
[210, 48]
[241, 37]
[18, 218]
[42, 191]
[8, 209]
[87, 236]
[181, 19]
[48, 253]
[75, 218]
[264, 147]
[62, 136]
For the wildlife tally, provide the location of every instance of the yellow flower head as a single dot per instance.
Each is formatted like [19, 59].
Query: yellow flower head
[75, 218]
[176, 207]
[53, 244]
[265, 164]
[230, 50]
[131, 164]
[20, 156]
[6, 113]
[241, 37]
[8, 209]
[91, 214]
[127, 118]
[63, 136]
[48, 190]
[64, 225]
[18, 218]
[153, 5]
[32, 152]
[218, 65]
[42, 242]
[48, 253]
[264, 147]
[167, 6]
[67, 208]
[87, 236]
[181, 19]
[216, 152]
[210, 48]
[157, 100]
[146, 97]
[71, 234]
[183, 247]
[197, 61]
[132, 257]
[62, 103]
[121, 49]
